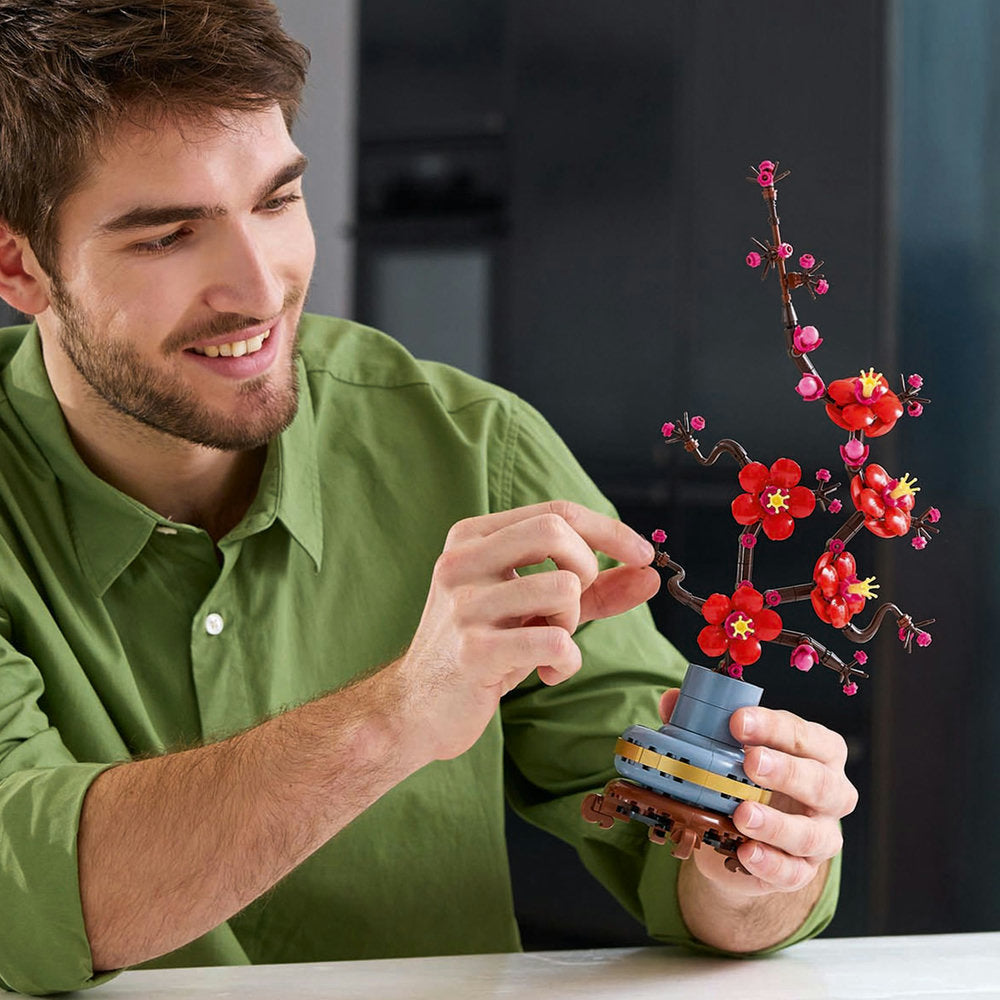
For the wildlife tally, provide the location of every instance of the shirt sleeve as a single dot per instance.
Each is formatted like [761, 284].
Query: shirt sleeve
[43, 943]
[559, 740]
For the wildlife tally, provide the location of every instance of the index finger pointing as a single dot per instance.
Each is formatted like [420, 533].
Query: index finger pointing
[600, 532]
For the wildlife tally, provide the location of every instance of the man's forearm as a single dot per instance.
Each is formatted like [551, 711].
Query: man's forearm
[743, 923]
[171, 847]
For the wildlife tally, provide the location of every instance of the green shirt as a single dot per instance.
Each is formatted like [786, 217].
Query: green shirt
[122, 635]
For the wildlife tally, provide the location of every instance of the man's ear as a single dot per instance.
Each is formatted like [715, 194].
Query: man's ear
[21, 282]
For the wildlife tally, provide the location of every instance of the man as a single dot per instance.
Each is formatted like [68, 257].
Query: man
[267, 665]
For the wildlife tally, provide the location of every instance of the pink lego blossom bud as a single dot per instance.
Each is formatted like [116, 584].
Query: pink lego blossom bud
[785, 251]
[659, 536]
[808, 261]
[902, 635]
[667, 429]
[823, 475]
[915, 382]
[919, 542]
[836, 546]
[697, 423]
[851, 689]
[765, 178]
[735, 670]
[744, 583]
[804, 657]
[854, 453]
[860, 657]
[772, 598]
[822, 286]
[766, 165]
[811, 388]
[748, 540]
[806, 339]
[753, 259]
[934, 515]
[923, 639]
[914, 409]
[835, 506]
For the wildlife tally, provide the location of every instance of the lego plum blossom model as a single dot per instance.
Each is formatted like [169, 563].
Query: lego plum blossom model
[685, 779]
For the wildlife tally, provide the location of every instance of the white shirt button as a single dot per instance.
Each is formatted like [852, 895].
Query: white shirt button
[214, 624]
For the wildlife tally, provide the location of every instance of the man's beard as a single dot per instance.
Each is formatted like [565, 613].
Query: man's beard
[116, 372]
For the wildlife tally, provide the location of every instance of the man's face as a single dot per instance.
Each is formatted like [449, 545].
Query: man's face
[184, 261]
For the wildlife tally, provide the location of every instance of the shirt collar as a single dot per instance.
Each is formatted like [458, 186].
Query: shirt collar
[109, 528]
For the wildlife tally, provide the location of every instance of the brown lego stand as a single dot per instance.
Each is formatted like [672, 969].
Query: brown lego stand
[687, 826]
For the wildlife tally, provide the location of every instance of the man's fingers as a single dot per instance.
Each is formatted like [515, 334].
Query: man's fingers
[511, 654]
[600, 532]
[668, 701]
[618, 590]
[551, 598]
[522, 543]
[787, 732]
[821, 788]
[773, 869]
[798, 836]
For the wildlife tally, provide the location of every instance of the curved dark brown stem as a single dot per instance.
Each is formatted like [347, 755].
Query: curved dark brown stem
[677, 592]
[727, 446]
[860, 635]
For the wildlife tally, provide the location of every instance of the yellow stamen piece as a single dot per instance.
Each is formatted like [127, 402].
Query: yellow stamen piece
[777, 502]
[742, 627]
[869, 382]
[905, 488]
[864, 588]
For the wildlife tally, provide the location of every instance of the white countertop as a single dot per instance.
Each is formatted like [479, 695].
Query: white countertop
[875, 968]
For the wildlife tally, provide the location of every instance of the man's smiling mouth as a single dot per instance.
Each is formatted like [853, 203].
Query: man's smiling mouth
[235, 349]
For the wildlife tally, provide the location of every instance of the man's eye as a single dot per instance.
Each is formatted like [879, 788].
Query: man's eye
[275, 205]
[162, 244]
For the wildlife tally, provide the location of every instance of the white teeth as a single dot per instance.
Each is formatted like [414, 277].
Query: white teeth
[237, 349]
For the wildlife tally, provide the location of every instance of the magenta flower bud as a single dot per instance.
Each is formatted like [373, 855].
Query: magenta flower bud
[854, 453]
[919, 542]
[915, 382]
[822, 286]
[923, 639]
[934, 515]
[835, 506]
[860, 657]
[914, 409]
[823, 475]
[667, 429]
[810, 388]
[735, 670]
[659, 536]
[785, 251]
[748, 540]
[765, 178]
[806, 339]
[698, 423]
[808, 261]
[766, 165]
[772, 598]
[836, 546]
[851, 689]
[902, 635]
[753, 259]
[804, 657]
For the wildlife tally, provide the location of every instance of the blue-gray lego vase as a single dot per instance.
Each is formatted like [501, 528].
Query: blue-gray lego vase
[697, 734]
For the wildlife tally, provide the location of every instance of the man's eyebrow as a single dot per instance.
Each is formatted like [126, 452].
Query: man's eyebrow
[148, 216]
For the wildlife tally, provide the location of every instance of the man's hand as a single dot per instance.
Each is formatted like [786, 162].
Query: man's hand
[485, 628]
[791, 840]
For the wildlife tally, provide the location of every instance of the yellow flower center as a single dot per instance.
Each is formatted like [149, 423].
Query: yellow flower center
[742, 627]
[905, 487]
[777, 501]
[869, 382]
[865, 588]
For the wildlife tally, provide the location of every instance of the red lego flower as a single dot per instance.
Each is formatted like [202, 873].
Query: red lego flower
[738, 624]
[864, 403]
[774, 497]
[885, 502]
[839, 595]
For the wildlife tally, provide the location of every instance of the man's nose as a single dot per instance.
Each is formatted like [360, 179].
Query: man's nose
[243, 279]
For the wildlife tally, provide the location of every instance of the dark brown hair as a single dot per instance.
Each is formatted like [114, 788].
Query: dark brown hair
[72, 70]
